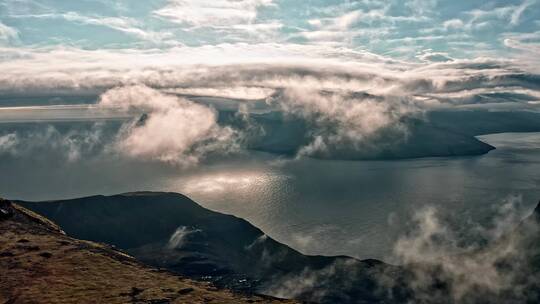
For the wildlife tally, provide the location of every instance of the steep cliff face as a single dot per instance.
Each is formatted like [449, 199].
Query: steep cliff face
[39, 263]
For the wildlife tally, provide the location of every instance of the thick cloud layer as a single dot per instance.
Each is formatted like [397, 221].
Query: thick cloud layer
[170, 129]
[347, 98]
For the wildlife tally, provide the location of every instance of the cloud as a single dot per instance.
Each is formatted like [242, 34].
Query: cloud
[308, 281]
[527, 44]
[432, 56]
[441, 261]
[469, 271]
[346, 24]
[230, 19]
[72, 145]
[453, 24]
[172, 129]
[8, 143]
[422, 7]
[125, 25]
[511, 13]
[344, 119]
[350, 99]
[179, 237]
[264, 66]
[212, 13]
[7, 34]
[518, 11]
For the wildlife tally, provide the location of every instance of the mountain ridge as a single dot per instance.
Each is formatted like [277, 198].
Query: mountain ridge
[41, 264]
[170, 231]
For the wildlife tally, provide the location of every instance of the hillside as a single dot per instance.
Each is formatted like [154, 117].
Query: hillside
[41, 264]
[169, 230]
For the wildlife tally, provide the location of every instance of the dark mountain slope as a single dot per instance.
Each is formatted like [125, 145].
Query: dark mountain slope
[438, 133]
[40, 264]
[171, 231]
[283, 134]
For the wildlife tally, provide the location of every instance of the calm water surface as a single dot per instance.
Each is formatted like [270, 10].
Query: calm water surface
[356, 208]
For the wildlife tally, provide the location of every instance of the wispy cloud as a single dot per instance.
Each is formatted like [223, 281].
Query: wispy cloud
[453, 24]
[71, 146]
[511, 13]
[434, 250]
[235, 18]
[518, 11]
[396, 28]
[376, 22]
[212, 13]
[7, 34]
[125, 25]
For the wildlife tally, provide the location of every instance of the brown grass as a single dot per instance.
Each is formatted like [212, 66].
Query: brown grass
[39, 264]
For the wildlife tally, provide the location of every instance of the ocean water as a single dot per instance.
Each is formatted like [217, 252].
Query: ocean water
[355, 208]
[360, 208]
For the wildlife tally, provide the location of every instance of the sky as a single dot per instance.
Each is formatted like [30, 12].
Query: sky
[350, 69]
[425, 30]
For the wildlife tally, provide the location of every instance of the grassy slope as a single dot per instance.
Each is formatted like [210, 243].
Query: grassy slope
[40, 264]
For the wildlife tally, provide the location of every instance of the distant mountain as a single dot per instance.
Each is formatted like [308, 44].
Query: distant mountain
[439, 133]
[170, 231]
[39, 263]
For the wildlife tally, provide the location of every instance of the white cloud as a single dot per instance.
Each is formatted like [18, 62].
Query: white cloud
[345, 25]
[248, 93]
[122, 24]
[7, 34]
[349, 98]
[8, 143]
[178, 238]
[343, 120]
[431, 56]
[175, 130]
[453, 24]
[470, 270]
[527, 45]
[422, 7]
[235, 18]
[126, 25]
[202, 13]
[71, 146]
[232, 67]
[511, 13]
[518, 11]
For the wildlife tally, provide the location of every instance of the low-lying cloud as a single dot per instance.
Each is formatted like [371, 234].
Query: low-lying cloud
[489, 267]
[347, 98]
[438, 262]
[171, 129]
[343, 119]
[71, 145]
[179, 237]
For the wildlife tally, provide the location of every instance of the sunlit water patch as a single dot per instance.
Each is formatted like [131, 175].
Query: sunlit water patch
[357, 208]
